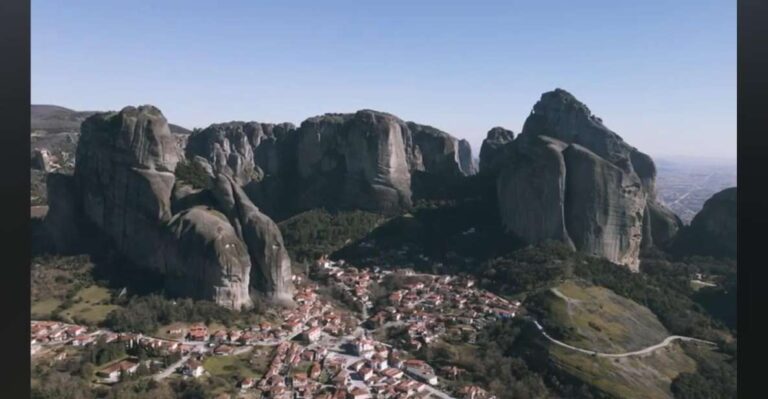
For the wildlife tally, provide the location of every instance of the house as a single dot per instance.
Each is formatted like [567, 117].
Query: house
[314, 372]
[379, 362]
[365, 373]
[363, 347]
[112, 372]
[293, 326]
[192, 368]
[246, 383]
[223, 350]
[341, 379]
[313, 334]
[392, 373]
[358, 393]
[473, 392]
[198, 332]
[300, 380]
[405, 387]
[219, 336]
[83, 340]
[74, 331]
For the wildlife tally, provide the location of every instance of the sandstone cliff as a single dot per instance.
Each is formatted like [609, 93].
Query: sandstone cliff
[227, 149]
[365, 160]
[567, 177]
[205, 259]
[713, 230]
[492, 152]
[271, 272]
[124, 185]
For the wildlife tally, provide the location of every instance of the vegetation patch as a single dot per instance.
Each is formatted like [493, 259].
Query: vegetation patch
[90, 305]
[648, 376]
[318, 232]
[231, 367]
[193, 173]
[595, 318]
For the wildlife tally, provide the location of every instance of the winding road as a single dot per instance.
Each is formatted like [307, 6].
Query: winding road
[649, 349]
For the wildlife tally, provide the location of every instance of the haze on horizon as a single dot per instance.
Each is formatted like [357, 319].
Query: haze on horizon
[662, 74]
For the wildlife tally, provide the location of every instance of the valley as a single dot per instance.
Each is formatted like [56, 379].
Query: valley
[361, 256]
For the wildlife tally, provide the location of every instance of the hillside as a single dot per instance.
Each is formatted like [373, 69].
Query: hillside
[53, 119]
[596, 318]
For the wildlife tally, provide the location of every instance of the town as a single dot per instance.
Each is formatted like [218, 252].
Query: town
[321, 349]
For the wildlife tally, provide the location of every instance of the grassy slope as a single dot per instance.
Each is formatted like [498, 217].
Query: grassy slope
[596, 318]
[91, 305]
[602, 320]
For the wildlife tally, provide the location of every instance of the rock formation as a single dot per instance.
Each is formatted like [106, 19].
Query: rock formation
[124, 169]
[492, 152]
[125, 186]
[364, 160]
[712, 231]
[567, 177]
[227, 148]
[272, 266]
[205, 259]
[531, 190]
[63, 228]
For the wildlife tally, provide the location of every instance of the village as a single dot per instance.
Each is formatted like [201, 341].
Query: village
[319, 350]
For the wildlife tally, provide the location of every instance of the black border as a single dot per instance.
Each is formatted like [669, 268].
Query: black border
[752, 217]
[14, 186]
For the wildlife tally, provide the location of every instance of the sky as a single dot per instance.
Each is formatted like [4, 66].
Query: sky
[662, 74]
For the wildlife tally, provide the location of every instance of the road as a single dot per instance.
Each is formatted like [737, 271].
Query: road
[170, 369]
[649, 349]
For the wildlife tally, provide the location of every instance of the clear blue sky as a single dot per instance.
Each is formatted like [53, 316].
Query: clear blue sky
[660, 73]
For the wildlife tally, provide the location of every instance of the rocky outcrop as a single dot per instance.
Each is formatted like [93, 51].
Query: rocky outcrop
[531, 190]
[62, 224]
[272, 266]
[466, 163]
[124, 169]
[124, 184]
[353, 161]
[205, 259]
[662, 225]
[437, 152]
[606, 206]
[712, 231]
[492, 152]
[227, 149]
[366, 160]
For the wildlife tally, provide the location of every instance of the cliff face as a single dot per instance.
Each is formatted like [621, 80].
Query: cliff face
[567, 177]
[366, 160]
[124, 169]
[271, 272]
[531, 190]
[125, 186]
[205, 258]
[227, 149]
[492, 152]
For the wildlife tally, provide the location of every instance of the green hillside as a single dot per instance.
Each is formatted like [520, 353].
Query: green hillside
[596, 318]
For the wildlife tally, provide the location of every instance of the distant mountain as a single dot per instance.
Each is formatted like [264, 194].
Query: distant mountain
[54, 119]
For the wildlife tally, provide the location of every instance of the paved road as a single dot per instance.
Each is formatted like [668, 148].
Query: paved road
[171, 369]
[649, 349]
